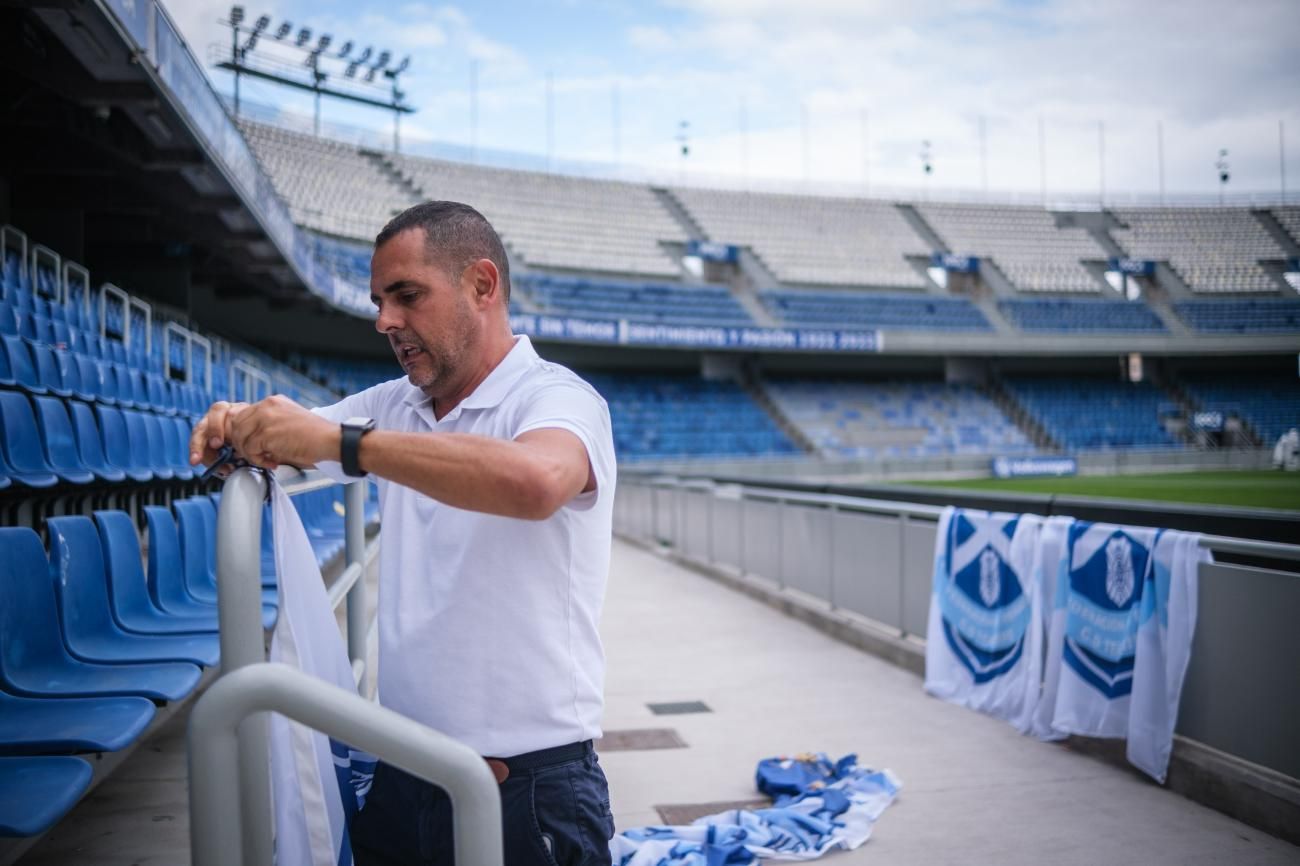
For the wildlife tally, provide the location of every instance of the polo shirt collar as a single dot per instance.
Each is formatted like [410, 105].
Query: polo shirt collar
[492, 390]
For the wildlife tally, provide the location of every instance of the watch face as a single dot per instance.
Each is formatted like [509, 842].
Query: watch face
[359, 422]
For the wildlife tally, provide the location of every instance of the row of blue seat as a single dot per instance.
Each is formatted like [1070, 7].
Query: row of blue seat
[88, 644]
[1063, 315]
[39, 369]
[46, 441]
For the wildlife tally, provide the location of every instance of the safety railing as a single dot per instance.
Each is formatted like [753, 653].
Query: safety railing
[874, 558]
[229, 732]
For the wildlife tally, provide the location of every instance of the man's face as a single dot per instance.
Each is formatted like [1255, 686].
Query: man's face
[425, 313]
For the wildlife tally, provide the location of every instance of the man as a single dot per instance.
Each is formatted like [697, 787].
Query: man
[496, 477]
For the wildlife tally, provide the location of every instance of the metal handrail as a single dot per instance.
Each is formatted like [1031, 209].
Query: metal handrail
[216, 816]
[239, 607]
[1222, 543]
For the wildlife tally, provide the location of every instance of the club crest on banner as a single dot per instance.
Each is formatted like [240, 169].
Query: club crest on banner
[985, 610]
[990, 581]
[1119, 570]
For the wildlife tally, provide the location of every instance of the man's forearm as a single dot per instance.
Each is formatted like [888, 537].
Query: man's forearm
[476, 473]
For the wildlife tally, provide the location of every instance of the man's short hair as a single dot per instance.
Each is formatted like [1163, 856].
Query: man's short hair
[455, 235]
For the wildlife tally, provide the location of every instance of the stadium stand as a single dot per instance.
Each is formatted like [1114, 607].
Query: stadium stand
[1068, 315]
[846, 308]
[1090, 414]
[554, 221]
[1242, 316]
[813, 240]
[896, 419]
[1212, 249]
[1289, 218]
[1270, 404]
[644, 302]
[348, 259]
[328, 185]
[674, 417]
[1024, 242]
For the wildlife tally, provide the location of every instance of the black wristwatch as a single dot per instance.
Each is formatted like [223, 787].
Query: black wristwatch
[353, 430]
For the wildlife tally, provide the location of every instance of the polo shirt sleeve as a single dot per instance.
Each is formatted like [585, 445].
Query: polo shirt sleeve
[575, 407]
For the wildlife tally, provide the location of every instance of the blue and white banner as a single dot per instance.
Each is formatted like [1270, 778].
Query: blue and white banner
[629, 333]
[955, 264]
[1120, 637]
[985, 635]
[711, 251]
[1133, 267]
[1033, 467]
[317, 782]
[828, 806]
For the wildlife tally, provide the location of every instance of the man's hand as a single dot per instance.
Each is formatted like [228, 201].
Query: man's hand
[268, 433]
[212, 432]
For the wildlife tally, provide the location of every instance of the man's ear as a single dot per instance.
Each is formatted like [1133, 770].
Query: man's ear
[487, 280]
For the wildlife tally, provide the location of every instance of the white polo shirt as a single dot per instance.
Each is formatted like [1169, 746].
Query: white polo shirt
[488, 625]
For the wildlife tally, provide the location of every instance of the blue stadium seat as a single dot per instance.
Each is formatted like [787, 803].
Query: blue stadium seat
[176, 438]
[36, 792]
[33, 726]
[207, 512]
[8, 318]
[33, 659]
[117, 443]
[70, 372]
[132, 607]
[48, 373]
[20, 443]
[90, 443]
[58, 441]
[166, 576]
[81, 586]
[90, 377]
[160, 460]
[20, 370]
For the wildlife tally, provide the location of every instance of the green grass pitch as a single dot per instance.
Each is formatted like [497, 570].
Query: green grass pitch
[1248, 489]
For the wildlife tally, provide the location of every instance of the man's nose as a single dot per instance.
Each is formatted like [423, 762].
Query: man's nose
[387, 320]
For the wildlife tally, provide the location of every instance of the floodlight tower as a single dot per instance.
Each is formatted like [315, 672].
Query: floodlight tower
[1221, 166]
[927, 165]
[683, 139]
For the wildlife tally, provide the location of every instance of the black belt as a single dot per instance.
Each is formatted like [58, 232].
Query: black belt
[548, 757]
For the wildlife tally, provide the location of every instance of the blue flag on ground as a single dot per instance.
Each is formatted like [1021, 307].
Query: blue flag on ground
[821, 806]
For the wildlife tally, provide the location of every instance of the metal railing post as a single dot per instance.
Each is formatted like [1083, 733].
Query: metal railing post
[354, 523]
[239, 608]
[218, 809]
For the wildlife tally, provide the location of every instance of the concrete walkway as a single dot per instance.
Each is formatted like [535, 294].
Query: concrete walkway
[975, 791]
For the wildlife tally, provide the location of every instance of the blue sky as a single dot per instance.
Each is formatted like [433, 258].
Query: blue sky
[782, 89]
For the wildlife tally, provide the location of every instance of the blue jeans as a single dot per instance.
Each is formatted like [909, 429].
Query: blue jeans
[556, 815]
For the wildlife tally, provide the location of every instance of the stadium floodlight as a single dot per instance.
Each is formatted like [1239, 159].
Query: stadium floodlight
[927, 158]
[1221, 165]
[236, 15]
[345, 50]
[351, 71]
[365, 54]
[251, 43]
[370, 74]
[283, 30]
[323, 42]
[382, 60]
[303, 35]
[263, 22]
[403, 66]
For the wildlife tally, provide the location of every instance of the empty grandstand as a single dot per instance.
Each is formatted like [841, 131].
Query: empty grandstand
[1213, 250]
[813, 241]
[1087, 413]
[1024, 242]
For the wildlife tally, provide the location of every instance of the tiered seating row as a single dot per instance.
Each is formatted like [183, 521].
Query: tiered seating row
[1093, 414]
[873, 420]
[644, 302]
[1067, 315]
[1244, 316]
[658, 417]
[1270, 404]
[849, 310]
[1213, 249]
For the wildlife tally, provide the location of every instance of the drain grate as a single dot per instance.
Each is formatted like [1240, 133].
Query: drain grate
[679, 708]
[638, 739]
[685, 813]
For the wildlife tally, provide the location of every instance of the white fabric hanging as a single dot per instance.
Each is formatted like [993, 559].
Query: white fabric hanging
[316, 782]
